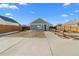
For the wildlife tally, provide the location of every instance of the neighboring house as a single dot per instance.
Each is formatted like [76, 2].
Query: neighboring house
[39, 24]
[70, 26]
[74, 22]
[8, 24]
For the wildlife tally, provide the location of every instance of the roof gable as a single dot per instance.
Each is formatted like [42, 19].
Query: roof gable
[39, 20]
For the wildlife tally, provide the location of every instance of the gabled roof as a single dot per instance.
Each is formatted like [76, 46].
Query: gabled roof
[7, 19]
[72, 22]
[39, 20]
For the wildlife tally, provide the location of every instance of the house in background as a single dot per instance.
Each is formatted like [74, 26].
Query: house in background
[70, 26]
[39, 24]
[74, 22]
[8, 25]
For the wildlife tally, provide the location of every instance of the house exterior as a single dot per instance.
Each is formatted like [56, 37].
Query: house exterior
[39, 24]
[70, 26]
[8, 24]
[74, 22]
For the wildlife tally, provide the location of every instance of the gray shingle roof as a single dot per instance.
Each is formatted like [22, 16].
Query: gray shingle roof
[39, 20]
[72, 22]
[8, 19]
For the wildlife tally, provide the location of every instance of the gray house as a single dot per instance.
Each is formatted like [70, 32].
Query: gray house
[39, 24]
[74, 22]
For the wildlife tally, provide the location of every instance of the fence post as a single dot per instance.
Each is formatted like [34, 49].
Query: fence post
[56, 29]
[64, 31]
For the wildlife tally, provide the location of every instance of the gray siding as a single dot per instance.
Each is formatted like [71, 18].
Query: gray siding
[39, 26]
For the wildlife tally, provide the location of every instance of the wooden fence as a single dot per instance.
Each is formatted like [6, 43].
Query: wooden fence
[68, 28]
[9, 28]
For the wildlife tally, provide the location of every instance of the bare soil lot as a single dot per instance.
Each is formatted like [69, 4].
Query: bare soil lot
[68, 35]
[29, 34]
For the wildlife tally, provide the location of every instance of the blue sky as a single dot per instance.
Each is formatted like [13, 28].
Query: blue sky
[55, 13]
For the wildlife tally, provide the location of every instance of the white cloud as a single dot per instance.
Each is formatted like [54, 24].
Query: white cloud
[8, 14]
[22, 3]
[8, 6]
[66, 20]
[66, 4]
[64, 15]
[76, 10]
[71, 14]
[10, 17]
[32, 12]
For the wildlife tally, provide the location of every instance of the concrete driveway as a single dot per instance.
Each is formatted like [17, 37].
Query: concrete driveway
[37, 43]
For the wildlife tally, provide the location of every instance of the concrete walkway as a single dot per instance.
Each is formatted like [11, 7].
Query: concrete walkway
[51, 45]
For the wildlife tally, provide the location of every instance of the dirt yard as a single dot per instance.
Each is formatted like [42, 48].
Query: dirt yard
[68, 35]
[29, 34]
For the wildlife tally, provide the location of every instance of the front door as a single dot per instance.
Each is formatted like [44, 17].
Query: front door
[44, 27]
